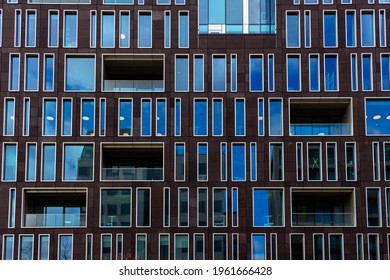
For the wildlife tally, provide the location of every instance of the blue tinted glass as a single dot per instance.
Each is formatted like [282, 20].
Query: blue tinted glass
[26, 128]
[177, 117]
[294, 73]
[26, 248]
[125, 117]
[12, 208]
[292, 29]
[219, 73]
[351, 29]
[161, 118]
[314, 73]
[330, 37]
[167, 32]
[14, 72]
[9, 162]
[260, 117]
[31, 162]
[180, 2]
[78, 162]
[258, 247]
[146, 121]
[67, 117]
[233, 80]
[271, 82]
[382, 29]
[240, 117]
[8, 248]
[53, 29]
[238, 162]
[223, 162]
[217, 12]
[353, 72]
[276, 162]
[182, 75]
[200, 118]
[18, 30]
[203, 13]
[102, 117]
[331, 78]
[307, 30]
[253, 159]
[93, 29]
[108, 30]
[378, 117]
[49, 117]
[80, 73]
[145, 30]
[385, 72]
[49, 73]
[367, 23]
[183, 30]
[88, 117]
[202, 162]
[234, 16]
[198, 73]
[256, 73]
[217, 117]
[32, 72]
[9, 122]
[366, 72]
[48, 162]
[65, 247]
[275, 118]
[261, 208]
[70, 30]
[31, 29]
[124, 39]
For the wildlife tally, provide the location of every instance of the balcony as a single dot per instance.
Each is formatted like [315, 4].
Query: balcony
[55, 220]
[322, 219]
[133, 85]
[320, 129]
[132, 174]
[59, 1]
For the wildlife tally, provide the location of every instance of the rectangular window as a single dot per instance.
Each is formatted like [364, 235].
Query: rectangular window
[115, 208]
[314, 165]
[183, 29]
[350, 161]
[145, 29]
[238, 162]
[275, 117]
[199, 247]
[297, 246]
[87, 117]
[48, 167]
[14, 72]
[181, 73]
[253, 161]
[376, 161]
[314, 72]
[293, 36]
[177, 116]
[167, 29]
[31, 73]
[53, 28]
[330, 29]
[276, 162]
[198, 73]
[382, 28]
[234, 207]
[183, 207]
[386, 148]
[78, 162]
[70, 29]
[92, 29]
[163, 248]
[12, 208]
[180, 2]
[373, 247]
[331, 161]
[336, 247]
[1, 28]
[217, 118]
[376, 121]
[271, 73]
[143, 207]
[385, 71]
[359, 246]
[106, 251]
[119, 246]
[307, 29]
[102, 120]
[48, 76]
[219, 73]
[31, 28]
[367, 27]
[141, 246]
[179, 162]
[67, 118]
[31, 162]
[239, 117]
[318, 248]
[350, 28]
[223, 161]
[202, 207]
[331, 80]
[9, 117]
[260, 117]
[181, 247]
[367, 72]
[161, 117]
[373, 207]
[49, 117]
[146, 117]
[80, 73]
[167, 207]
[219, 207]
[125, 122]
[124, 29]
[258, 247]
[65, 247]
[354, 72]
[202, 162]
[268, 208]
[299, 161]
[44, 247]
[26, 116]
[388, 207]
[18, 28]
[200, 117]
[8, 247]
[220, 250]
[256, 70]
[274, 246]
[26, 247]
[108, 30]
[233, 73]
[293, 73]
[9, 162]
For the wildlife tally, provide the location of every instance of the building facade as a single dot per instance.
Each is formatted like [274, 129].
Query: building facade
[185, 129]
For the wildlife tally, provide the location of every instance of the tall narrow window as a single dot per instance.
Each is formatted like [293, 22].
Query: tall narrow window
[26, 117]
[336, 247]
[49, 117]
[31, 28]
[354, 72]
[350, 28]
[275, 117]
[119, 246]
[386, 147]
[143, 207]
[234, 207]
[293, 73]
[202, 207]
[14, 72]
[163, 247]
[53, 29]
[220, 247]
[293, 36]
[376, 161]
[260, 117]
[70, 29]
[219, 73]
[146, 117]
[183, 30]
[177, 116]
[108, 30]
[106, 251]
[330, 29]
[299, 162]
[307, 29]
[8, 247]
[167, 29]
[26, 247]
[9, 162]
[388, 207]
[367, 72]
[9, 117]
[233, 73]
[181, 247]
[181, 73]
[92, 29]
[319, 253]
[217, 117]
[1, 28]
[31, 73]
[12, 208]
[198, 73]
[48, 76]
[102, 119]
[276, 164]
[297, 247]
[359, 246]
[141, 246]
[199, 247]
[18, 28]
[31, 162]
[331, 161]
[88, 117]
[256, 70]
[125, 122]
[44, 247]
[367, 28]
[89, 247]
[67, 117]
[48, 162]
[331, 80]
[167, 207]
[239, 116]
[202, 162]
[258, 247]
[274, 246]
[350, 161]
[271, 73]
[183, 206]
[223, 161]
[373, 207]
[253, 161]
[145, 29]
[238, 162]
[314, 161]
[161, 117]
[124, 29]
[382, 28]
[373, 247]
[314, 72]
[179, 162]
[219, 207]
[385, 71]
[200, 117]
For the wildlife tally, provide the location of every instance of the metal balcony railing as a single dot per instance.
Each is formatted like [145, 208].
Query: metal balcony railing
[332, 129]
[133, 174]
[134, 85]
[54, 220]
[323, 219]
